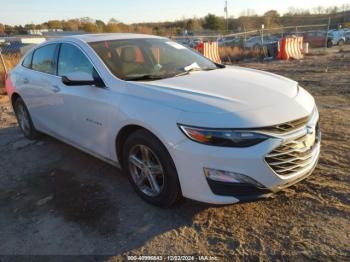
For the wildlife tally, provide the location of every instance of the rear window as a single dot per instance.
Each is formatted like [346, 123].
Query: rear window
[44, 59]
[27, 61]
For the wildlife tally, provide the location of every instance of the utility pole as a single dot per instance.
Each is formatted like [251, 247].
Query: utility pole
[329, 24]
[226, 11]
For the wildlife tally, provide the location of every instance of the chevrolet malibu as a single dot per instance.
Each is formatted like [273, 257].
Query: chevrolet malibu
[177, 123]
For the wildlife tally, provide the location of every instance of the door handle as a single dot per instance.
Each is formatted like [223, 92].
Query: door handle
[25, 80]
[56, 89]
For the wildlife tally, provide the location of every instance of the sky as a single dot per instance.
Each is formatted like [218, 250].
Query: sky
[15, 12]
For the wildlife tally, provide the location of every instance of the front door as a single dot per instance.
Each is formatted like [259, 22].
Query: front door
[88, 108]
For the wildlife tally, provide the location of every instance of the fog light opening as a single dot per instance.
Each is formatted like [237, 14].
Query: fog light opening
[230, 177]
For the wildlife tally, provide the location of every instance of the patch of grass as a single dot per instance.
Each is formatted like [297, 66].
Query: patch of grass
[318, 52]
[10, 61]
[235, 54]
[344, 50]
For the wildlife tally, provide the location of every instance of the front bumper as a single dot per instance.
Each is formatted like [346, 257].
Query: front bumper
[191, 157]
[242, 192]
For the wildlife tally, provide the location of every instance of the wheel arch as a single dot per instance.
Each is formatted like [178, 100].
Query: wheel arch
[124, 133]
[121, 137]
[14, 98]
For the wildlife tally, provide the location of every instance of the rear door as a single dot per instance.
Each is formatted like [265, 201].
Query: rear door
[40, 84]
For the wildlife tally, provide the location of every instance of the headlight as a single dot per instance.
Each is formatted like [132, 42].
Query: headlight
[223, 137]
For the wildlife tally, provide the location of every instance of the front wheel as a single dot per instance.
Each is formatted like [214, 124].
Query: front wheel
[24, 120]
[150, 169]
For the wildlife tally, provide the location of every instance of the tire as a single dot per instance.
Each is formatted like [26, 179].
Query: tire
[24, 120]
[329, 44]
[140, 148]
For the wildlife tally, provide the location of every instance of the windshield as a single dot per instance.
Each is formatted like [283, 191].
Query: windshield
[149, 59]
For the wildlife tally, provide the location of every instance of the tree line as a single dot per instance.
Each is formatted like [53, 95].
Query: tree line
[248, 20]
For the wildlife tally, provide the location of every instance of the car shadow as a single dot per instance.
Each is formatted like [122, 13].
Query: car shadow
[48, 182]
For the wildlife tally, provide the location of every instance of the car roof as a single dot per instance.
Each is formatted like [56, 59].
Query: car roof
[88, 38]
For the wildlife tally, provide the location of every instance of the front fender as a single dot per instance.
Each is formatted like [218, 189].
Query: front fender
[158, 119]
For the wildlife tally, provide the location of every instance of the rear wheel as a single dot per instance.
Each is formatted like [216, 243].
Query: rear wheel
[150, 169]
[24, 120]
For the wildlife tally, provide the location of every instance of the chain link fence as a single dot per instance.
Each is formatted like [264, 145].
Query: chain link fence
[262, 44]
[12, 49]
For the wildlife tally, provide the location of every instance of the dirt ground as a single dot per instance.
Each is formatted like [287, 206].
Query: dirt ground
[56, 200]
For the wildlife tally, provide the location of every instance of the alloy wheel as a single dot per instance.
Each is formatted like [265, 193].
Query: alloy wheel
[146, 170]
[23, 118]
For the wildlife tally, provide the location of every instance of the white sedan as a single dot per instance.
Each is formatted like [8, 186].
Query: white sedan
[175, 122]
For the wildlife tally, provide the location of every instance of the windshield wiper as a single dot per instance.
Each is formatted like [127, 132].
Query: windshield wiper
[144, 77]
[194, 69]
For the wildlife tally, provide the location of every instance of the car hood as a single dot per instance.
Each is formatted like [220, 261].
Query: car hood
[222, 91]
[228, 89]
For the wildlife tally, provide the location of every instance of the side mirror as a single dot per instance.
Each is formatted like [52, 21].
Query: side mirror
[82, 79]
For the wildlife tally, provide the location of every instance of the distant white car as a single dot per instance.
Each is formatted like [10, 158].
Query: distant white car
[177, 123]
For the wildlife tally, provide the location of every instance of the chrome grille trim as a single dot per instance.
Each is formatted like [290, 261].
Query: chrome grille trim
[293, 156]
[290, 160]
[287, 127]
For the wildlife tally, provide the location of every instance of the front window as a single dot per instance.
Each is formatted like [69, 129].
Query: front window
[141, 59]
[72, 60]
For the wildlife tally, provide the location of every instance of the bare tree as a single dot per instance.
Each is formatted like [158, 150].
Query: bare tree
[54, 24]
[292, 11]
[113, 21]
[318, 10]
[248, 12]
[71, 25]
[272, 19]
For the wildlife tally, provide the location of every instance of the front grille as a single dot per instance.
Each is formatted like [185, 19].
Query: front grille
[294, 156]
[287, 127]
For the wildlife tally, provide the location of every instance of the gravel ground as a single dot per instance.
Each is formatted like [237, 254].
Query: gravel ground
[56, 200]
